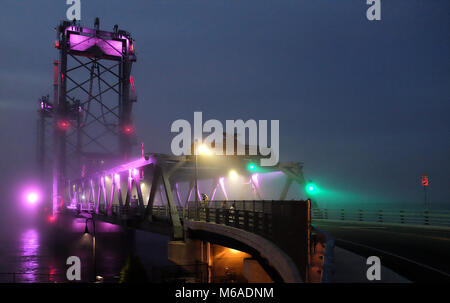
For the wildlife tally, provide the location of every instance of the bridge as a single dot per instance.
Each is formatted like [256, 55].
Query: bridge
[93, 172]
[260, 229]
[90, 170]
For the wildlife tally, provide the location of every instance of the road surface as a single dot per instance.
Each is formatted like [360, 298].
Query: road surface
[418, 254]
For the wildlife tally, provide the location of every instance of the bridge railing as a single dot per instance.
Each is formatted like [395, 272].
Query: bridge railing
[433, 218]
[257, 222]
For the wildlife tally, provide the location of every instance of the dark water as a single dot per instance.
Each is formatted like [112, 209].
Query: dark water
[37, 252]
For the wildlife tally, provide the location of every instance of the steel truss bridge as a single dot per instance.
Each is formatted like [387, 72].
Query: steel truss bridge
[85, 138]
[129, 190]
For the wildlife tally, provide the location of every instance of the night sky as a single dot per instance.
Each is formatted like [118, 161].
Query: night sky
[365, 105]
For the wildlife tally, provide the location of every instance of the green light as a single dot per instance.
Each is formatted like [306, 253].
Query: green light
[251, 166]
[311, 188]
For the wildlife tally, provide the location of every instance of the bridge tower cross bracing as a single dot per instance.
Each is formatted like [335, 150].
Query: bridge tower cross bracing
[92, 104]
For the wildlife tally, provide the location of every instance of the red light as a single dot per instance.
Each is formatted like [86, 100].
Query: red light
[56, 43]
[63, 125]
[132, 48]
[128, 130]
[425, 180]
[51, 219]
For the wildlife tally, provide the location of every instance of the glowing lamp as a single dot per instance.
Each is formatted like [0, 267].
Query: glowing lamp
[251, 166]
[233, 174]
[311, 188]
[203, 150]
[128, 129]
[63, 125]
[32, 198]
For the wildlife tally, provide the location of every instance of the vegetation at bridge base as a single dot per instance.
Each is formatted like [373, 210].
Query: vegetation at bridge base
[133, 271]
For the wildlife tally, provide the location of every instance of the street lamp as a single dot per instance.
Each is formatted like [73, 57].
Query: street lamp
[86, 232]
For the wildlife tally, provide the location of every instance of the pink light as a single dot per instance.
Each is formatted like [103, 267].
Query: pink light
[117, 178]
[135, 172]
[222, 185]
[255, 179]
[32, 198]
[108, 47]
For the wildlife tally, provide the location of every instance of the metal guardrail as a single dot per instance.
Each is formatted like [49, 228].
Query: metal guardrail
[257, 222]
[432, 218]
[272, 220]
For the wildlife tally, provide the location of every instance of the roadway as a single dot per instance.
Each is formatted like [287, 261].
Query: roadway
[418, 254]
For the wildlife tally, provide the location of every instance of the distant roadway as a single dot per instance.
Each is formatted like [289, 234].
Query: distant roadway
[418, 254]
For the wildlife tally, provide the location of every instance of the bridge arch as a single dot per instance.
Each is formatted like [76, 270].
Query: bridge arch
[274, 261]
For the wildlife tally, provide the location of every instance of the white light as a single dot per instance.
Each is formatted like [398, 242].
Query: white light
[233, 174]
[32, 198]
[203, 150]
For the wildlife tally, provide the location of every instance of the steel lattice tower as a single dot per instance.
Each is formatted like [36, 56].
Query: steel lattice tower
[92, 103]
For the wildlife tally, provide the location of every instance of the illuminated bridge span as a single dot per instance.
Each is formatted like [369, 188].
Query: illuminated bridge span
[92, 172]
[147, 194]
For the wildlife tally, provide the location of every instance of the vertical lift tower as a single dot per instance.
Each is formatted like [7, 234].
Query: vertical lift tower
[92, 104]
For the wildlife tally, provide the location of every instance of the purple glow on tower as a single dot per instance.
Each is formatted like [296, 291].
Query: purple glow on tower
[108, 47]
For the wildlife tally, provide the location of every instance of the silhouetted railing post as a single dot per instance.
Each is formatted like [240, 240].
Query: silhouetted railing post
[426, 217]
[227, 217]
[246, 220]
[380, 215]
[266, 224]
[207, 214]
[255, 222]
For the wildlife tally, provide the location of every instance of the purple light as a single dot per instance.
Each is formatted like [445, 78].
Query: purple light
[31, 196]
[108, 47]
[255, 179]
[222, 185]
[29, 255]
